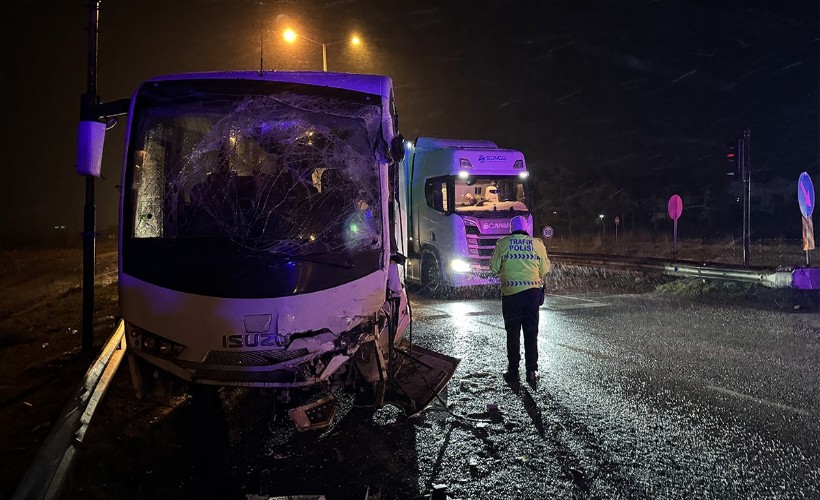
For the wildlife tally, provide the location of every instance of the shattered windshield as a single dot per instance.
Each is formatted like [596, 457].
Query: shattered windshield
[476, 195]
[292, 172]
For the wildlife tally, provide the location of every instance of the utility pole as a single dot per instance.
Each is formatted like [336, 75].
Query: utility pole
[744, 151]
[88, 105]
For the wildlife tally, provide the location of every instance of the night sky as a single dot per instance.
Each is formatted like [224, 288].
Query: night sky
[639, 97]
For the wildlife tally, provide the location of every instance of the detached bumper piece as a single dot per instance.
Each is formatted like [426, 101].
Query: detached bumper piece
[317, 414]
[419, 375]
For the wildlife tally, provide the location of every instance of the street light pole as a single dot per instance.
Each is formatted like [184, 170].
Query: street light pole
[291, 35]
[324, 50]
[88, 101]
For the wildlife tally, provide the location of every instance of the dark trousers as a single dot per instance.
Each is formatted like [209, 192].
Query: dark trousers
[521, 312]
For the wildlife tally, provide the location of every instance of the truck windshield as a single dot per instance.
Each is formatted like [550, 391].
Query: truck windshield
[477, 195]
[253, 168]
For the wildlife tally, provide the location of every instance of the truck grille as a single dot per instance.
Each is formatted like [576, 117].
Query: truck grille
[480, 247]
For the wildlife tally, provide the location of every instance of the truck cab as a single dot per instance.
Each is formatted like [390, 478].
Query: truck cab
[461, 196]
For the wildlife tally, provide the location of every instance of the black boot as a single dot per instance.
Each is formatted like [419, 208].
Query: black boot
[532, 378]
[511, 375]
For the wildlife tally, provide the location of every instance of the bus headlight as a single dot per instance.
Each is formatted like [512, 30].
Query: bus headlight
[166, 348]
[460, 266]
[149, 342]
[153, 344]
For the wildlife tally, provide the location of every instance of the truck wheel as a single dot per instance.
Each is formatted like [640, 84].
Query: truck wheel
[431, 279]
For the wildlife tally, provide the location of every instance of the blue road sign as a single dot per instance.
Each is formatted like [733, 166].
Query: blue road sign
[805, 194]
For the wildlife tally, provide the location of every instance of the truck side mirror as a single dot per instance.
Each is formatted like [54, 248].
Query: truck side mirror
[90, 140]
[397, 148]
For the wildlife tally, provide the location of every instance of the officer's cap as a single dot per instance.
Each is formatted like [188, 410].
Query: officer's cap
[519, 223]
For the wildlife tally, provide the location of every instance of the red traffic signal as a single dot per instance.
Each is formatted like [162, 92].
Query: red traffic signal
[732, 164]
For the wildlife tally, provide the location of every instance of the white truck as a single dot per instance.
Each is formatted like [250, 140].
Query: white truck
[261, 241]
[461, 196]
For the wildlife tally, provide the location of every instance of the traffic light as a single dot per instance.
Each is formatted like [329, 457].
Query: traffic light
[732, 160]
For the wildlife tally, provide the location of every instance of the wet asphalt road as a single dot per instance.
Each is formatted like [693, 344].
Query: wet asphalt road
[641, 396]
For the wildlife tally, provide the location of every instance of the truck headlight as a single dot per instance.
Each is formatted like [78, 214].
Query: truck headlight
[460, 266]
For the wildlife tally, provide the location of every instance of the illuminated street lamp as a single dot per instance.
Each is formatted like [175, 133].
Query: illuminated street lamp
[291, 36]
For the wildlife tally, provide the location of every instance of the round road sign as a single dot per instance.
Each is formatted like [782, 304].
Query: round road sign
[547, 232]
[675, 207]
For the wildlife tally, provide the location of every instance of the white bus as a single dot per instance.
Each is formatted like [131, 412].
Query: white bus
[258, 236]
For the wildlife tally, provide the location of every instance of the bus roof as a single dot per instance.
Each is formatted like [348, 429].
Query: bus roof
[435, 143]
[370, 84]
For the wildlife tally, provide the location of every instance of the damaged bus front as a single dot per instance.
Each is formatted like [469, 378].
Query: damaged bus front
[258, 239]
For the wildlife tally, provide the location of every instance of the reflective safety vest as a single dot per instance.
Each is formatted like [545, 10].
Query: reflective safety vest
[521, 262]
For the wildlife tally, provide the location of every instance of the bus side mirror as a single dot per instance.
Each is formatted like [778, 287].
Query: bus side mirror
[397, 148]
[90, 140]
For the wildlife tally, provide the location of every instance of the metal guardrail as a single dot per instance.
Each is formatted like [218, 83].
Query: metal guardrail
[46, 476]
[772, 278]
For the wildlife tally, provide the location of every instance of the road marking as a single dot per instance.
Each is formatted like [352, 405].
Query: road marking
[759, 400]
[493, 325]
[569, 297]
[573, 306]
[580, 303]
[594, 354]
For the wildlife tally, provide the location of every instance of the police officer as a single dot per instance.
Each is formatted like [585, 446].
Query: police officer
[521, 262]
